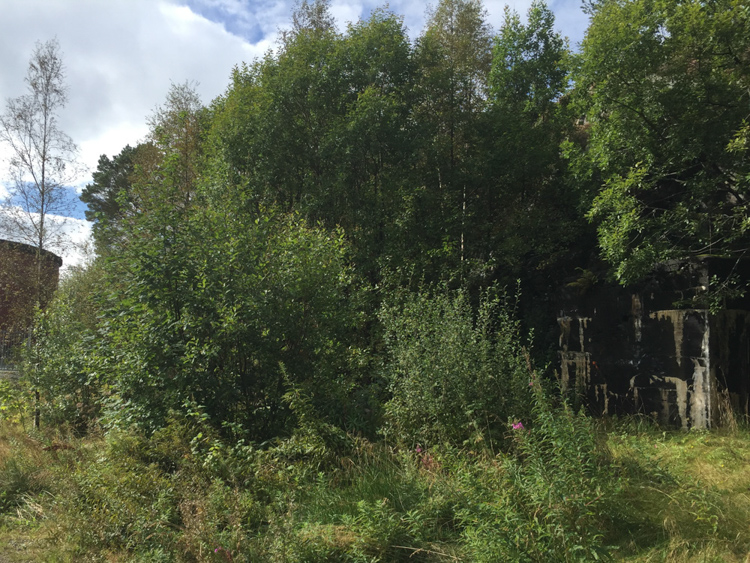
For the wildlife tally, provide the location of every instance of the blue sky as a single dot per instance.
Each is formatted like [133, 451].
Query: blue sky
[241, 17]
[122, 55]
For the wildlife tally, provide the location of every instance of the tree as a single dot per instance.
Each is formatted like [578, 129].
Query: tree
[463, 40]
[110, 197]
[42, 157]
[529, 117]
[454, 56]
[42, 161]
[324, 129]
[176, 134]
[529, 70]
[665, 86]
[312, 16]
[159, 174]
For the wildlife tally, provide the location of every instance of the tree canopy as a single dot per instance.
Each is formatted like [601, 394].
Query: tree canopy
[258, 249]
[664, 86]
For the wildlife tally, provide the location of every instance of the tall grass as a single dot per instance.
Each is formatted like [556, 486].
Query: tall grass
[570, 489]
[685, 496]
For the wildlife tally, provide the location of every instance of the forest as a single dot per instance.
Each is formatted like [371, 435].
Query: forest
[320, 323]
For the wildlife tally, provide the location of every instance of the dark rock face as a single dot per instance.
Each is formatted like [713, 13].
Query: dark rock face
[627, 351]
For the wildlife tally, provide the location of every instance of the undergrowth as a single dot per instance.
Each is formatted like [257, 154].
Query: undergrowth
[548, 484]
[570, 489]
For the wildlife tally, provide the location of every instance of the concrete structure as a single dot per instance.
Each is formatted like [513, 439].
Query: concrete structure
[630, 351]
[24, 280]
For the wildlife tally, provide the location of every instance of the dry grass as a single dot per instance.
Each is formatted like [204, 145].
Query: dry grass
[37, 462]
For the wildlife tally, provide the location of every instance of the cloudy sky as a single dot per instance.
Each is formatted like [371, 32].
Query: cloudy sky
[122, 55]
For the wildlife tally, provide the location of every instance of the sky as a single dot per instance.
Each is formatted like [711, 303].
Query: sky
[121, 56]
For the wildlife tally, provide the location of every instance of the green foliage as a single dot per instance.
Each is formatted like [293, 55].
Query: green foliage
[62, 360]
[210, 304]
[531, 63]
[24, 472]
[121, 504]
[226, 339]
[14, 400]
[566, 490]
[562, 475]
[323, 129]
[454, 377]
[540, 203]
[663, 85]
[109, 197]
[186, 495]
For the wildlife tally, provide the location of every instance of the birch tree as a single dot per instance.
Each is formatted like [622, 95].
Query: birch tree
[41, 157]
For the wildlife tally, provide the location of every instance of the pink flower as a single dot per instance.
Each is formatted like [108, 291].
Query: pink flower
[418, 450]
[517, 426]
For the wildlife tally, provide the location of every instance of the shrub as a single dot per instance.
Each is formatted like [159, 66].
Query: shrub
[549, 498]
[453, 376]
[14, 400]
[61, 362]
[210, 309]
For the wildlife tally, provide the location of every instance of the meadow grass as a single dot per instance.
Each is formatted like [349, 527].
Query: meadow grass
[673, 496]
[686, 496]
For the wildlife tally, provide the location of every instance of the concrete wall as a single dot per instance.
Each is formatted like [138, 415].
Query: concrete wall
[625, 351]
[22, 282]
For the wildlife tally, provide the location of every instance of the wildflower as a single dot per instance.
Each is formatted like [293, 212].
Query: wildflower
[226, 553]
[517, 426]
[418, 449]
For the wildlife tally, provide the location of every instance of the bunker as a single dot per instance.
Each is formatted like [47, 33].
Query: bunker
[646, 350]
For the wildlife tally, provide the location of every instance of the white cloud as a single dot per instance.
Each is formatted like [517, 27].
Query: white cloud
[121, 56]
[75, 244]
[345, 13]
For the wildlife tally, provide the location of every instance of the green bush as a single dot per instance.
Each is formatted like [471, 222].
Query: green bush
[223, 310]
[15, 400]
[61, 364]
[454, 376]
[550, 497]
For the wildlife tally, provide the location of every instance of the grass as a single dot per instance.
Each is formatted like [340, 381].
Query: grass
[687, 496]
[680, 497]
[31, 467]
